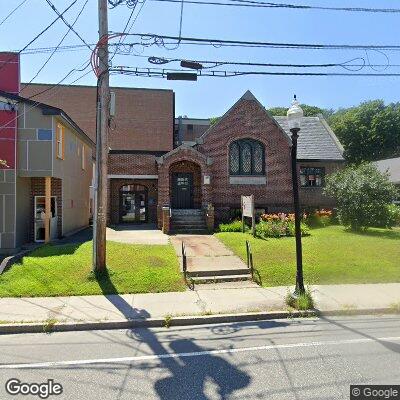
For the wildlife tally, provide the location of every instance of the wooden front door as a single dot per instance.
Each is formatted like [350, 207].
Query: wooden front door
[182, 190]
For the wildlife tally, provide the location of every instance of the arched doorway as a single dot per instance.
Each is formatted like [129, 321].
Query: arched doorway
[133, 203]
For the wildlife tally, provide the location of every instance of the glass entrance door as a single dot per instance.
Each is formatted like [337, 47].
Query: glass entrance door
[133, 207]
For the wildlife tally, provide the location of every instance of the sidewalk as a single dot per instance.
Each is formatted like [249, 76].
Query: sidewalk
[228, 298]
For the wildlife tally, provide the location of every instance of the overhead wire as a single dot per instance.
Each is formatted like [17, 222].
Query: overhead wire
[37, 36]
[263, 4]
[67, 24]
[12, 12]
[56, 48]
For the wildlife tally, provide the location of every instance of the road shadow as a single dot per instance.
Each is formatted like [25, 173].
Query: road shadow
[188, 377]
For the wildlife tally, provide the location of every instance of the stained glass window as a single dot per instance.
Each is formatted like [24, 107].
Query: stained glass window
[247, 157]
[234, 158]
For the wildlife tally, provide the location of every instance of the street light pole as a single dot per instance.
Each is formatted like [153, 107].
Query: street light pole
[295, 115]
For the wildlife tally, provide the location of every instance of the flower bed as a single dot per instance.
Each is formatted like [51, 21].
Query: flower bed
[278, 225]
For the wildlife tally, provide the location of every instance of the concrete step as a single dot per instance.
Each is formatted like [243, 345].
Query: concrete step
[227, 285]
[188, 218]
[219, 279]
[219, 272]
[188, 226]
[187, 212]
[188, 231]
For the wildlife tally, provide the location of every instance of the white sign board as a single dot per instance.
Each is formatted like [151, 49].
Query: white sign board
[247, 206]
[207, 179]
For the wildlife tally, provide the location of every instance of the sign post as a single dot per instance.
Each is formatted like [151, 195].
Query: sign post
[248, 210]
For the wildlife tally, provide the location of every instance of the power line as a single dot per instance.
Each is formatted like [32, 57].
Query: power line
[151, 39]
[36, 104]
[67, 24]
[263, 4]
[56, 48]
[12, 12]
[162, 73]
[38, 35]
[346, 64]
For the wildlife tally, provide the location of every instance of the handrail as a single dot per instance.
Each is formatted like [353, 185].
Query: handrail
[249, 254]
[184, 262]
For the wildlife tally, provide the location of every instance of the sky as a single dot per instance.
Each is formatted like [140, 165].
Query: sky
[213, 96]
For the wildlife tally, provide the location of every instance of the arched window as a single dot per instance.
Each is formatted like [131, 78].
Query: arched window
[246, 157]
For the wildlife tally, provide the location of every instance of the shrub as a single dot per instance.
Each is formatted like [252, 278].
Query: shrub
[234, 226]
[393, 216]
[363, 195]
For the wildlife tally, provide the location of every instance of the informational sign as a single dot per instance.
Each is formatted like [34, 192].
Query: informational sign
[248, 210]
[247, 206]
[207, 179]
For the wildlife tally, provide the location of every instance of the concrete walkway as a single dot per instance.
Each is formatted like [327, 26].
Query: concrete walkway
[137, 234]
[232, 297]
[206, 253]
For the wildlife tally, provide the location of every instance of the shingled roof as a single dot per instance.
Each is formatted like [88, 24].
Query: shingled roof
[316, 139]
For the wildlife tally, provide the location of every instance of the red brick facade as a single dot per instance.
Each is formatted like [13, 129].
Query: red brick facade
[214, 188]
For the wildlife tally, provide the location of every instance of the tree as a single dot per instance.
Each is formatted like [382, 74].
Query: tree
[363, 195]
[368, 132]
[309, 111]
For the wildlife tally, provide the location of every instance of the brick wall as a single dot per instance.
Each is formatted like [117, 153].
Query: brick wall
[38, 189]
[132, 164]
[313, 196]
[144, 118]
[248, 120]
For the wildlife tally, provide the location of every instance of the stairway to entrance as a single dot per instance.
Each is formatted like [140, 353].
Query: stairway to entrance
[188, 221]
[209, 261]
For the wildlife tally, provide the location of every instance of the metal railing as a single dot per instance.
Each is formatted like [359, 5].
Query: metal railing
[249, 254]
[184, 261]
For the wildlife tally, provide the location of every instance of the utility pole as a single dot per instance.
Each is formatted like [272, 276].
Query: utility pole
[102, 118]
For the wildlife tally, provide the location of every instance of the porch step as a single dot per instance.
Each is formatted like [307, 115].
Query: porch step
[187, 231]
[219, 279]
[188, 211]
[188, 221]
[220, 272]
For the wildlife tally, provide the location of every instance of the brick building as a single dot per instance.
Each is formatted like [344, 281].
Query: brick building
[185, 174]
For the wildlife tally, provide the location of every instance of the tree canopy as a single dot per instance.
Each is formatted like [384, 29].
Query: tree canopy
[368, 132]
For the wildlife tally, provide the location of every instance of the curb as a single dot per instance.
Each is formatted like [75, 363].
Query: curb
[182, 321]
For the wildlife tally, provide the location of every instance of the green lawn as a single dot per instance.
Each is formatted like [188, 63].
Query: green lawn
[330, 255]
[65, 270]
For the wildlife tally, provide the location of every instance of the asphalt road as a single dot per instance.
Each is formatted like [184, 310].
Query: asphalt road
[282, 359]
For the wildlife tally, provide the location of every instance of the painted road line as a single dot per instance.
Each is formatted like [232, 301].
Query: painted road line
[195, 353]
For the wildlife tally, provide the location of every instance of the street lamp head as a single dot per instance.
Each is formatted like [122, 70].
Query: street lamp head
[295, 115]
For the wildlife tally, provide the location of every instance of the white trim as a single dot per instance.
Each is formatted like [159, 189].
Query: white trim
[115, 176]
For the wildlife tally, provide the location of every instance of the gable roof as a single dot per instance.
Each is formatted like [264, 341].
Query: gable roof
[248, 96]
[391, 165]
[49, 110]
[316, 140]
